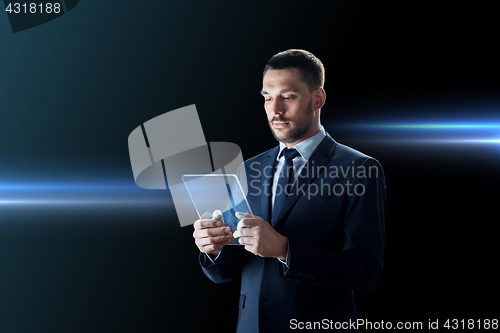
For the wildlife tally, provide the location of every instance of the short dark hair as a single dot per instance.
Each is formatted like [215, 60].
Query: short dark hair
[312, 71]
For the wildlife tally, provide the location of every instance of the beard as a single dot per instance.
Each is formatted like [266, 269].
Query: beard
[298, 128]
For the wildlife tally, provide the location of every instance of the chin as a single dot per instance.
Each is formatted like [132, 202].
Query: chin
[280, 136]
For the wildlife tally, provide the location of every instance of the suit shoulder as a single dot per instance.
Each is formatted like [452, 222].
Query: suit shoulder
[350, 155]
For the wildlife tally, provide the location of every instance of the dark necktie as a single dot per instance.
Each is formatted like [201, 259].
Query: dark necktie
[287, 176]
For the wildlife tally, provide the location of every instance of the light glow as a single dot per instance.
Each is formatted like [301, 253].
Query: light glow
[431, 126]
[78, 194]
[429, 132]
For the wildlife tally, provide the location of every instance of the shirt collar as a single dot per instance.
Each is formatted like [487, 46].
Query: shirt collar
[307, 147]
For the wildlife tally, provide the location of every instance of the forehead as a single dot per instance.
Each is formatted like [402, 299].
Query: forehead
[282, 79]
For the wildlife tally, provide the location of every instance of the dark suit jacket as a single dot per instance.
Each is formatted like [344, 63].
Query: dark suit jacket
[336, 241]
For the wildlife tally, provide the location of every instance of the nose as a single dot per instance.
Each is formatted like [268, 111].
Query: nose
[276, 107]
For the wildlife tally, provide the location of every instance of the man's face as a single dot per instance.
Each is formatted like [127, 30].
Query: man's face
[289, 106]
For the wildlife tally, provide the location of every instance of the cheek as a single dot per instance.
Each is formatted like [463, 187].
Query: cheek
[269, 115]
[305, 103]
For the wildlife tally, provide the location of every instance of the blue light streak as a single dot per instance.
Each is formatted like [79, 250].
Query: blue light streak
[439, 141]
[79, 194]
[65, 187]
[430, 132]
[429, 126]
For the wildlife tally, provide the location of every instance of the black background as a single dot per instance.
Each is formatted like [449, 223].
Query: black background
[73, 89]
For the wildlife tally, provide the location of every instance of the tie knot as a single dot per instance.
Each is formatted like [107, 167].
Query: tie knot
[290, 153]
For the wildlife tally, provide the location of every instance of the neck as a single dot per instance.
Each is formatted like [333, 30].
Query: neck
[313, 130]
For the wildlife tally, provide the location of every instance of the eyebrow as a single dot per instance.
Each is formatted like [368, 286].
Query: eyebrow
[281, 92]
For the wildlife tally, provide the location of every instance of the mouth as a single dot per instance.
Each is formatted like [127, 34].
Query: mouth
[280, 124]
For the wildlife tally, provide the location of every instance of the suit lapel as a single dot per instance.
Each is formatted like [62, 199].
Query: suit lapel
[267, 170]
[321, 156]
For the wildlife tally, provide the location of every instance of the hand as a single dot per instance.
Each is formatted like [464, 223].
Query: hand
[261, 238]
[210, 235]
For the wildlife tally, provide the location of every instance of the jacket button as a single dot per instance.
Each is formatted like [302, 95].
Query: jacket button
[315, 276]
[300, 272]
[310, 275]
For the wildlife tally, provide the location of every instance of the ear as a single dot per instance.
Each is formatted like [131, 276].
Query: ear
[319, 96]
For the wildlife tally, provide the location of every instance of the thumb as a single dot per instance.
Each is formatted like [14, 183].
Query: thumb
[240, 215]
[217, 215]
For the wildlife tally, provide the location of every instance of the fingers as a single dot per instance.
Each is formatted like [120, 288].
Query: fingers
[237, 233]
[255, 223]
[211, 240]
[211, 232]
[208, 223]
[242, 231]
[246, 225]
[248, 232]
[215, 221]
[246, 240]
[249, 245]
[241, 215]
[212, 247]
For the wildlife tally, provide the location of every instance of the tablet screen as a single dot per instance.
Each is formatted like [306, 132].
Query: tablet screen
[210, 192]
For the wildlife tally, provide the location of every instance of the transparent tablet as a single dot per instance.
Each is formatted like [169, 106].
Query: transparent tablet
[217, 191]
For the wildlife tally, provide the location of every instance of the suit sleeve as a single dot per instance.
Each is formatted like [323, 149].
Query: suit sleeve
[358, 266]
[226, 266]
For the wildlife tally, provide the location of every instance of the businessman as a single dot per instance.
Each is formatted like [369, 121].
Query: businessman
[318, 231]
